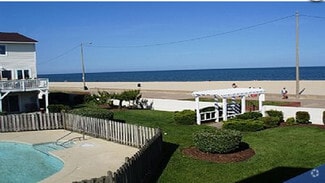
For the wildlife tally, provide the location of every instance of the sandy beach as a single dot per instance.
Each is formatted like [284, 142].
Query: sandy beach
[179, 90]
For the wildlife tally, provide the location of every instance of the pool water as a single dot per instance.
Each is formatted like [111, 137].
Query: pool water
[27, 163]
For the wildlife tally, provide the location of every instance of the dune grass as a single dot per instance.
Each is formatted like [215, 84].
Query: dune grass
[281, 153]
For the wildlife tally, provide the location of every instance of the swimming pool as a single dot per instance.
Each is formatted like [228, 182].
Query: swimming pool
[27, 163]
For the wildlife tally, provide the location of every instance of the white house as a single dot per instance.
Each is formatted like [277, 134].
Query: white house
[20, 89]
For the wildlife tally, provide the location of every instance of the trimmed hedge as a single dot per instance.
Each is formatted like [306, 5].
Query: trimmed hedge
[302, 117]
[244, 125]
[270, 122]
[274, 113]
[185, 117]
[217, 141]
[55, 108]
[249, 115]
[94, 112]
[291, 121]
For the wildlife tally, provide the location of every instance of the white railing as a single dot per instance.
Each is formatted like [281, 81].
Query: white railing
[24, 85]
[208, 115]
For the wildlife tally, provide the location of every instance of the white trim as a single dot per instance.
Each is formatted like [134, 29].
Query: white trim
[229, 93]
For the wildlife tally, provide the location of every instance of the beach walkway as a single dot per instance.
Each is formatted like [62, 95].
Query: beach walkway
[313, 96]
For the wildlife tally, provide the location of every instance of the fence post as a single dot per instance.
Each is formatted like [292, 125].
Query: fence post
[109, 178]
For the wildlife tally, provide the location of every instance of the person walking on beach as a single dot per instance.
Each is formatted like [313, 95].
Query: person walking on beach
[284, 93]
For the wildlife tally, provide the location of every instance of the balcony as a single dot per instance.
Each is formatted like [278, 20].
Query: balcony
[24, 85]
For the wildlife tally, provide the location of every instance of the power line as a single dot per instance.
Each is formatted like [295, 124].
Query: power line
[312, 16]
[198, 38]
[61, 55]
[181, 41]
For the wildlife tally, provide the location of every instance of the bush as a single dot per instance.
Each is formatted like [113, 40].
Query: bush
[291, 121]
[217, 141]
[94, 112]
[249, 115]
[128, 95]
[185, 117]
[56, 108]
[101, 98]
[274, 113]
[244, 125]
[302, 117]
[270, 122]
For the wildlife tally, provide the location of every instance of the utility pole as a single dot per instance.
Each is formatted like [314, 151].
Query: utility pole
[83, 67]
[297, 55]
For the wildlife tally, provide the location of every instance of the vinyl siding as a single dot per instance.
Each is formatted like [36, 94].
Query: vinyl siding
[20, 56]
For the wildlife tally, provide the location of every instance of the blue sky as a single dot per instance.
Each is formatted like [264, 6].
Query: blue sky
[119, 32]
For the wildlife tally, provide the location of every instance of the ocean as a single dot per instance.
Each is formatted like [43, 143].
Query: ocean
[244, 74]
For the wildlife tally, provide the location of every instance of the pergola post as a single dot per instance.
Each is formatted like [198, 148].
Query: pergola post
[198, 116]
[261, 98]
[224, 109]
[243, 104]
[46, 101]
[216, 108]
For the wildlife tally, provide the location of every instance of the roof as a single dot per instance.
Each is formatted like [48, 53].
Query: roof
[228, 93]
[15, 37]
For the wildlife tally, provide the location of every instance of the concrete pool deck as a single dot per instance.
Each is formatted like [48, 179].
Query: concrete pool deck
[86, 159]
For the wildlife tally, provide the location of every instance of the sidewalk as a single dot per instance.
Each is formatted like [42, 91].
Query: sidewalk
[306, 101]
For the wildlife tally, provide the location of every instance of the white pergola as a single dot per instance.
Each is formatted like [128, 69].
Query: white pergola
[225, 94]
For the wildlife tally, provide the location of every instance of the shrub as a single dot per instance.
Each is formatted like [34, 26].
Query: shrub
[217, 141]
[291, 121]
[128, 95]
[302, 117]
[274, 113]
[244, 125]
[185, 117]
[270, 122]
[101, 98]
[94, 112]
[58, 108]
[249, 115]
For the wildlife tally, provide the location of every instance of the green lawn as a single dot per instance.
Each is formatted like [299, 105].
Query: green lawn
[281, 153]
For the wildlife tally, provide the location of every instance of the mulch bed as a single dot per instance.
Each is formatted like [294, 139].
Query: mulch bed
[240, 155]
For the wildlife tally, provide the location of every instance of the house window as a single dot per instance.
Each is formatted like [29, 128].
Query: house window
[26, 74]
[20, 74]
[23, 74]
[2, 50]
[6, 75]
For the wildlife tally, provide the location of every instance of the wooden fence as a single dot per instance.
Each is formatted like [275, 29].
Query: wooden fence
[31, 121]
[127, 134]
[138, 168]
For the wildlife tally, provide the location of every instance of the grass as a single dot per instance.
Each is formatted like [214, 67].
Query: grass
[281, 153]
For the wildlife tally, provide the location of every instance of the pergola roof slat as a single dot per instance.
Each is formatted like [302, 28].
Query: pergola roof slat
[228, 93]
